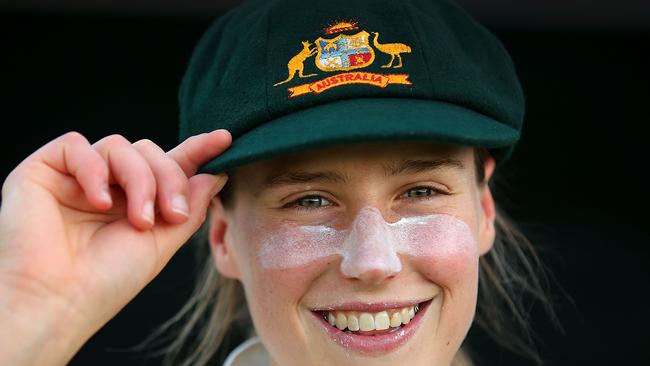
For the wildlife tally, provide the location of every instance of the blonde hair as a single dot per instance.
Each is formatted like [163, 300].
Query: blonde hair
[511, 274]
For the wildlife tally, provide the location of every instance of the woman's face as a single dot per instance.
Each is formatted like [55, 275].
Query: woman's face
[358, 254]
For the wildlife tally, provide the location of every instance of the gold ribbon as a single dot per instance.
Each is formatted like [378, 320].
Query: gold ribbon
[378, 80]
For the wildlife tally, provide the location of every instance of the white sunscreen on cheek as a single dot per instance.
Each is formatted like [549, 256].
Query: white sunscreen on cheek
[294, 246]
[369, 244]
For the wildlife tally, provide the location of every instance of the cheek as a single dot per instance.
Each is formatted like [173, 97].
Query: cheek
[275, 296]
[444, 250]
[281, 264]
[294, 247]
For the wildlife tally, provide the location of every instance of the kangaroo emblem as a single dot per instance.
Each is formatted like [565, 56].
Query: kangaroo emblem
[296, 64]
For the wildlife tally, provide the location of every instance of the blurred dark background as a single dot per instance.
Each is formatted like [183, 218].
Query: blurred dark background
[577, 183]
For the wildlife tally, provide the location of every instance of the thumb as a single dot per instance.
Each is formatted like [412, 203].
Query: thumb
[171, 237]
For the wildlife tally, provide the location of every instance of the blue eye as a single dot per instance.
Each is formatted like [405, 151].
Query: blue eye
[420, 192]
[309, 202]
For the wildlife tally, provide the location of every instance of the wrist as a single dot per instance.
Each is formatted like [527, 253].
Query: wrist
[38, 332]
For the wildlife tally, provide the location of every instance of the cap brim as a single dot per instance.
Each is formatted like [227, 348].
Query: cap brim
[364, 120]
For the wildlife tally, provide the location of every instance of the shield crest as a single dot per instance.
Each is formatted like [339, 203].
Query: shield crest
[344, 52]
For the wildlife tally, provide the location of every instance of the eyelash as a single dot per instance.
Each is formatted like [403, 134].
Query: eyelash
[432, 192]
[296, 204]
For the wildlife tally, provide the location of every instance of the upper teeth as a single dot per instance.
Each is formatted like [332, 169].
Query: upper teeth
[354, 320]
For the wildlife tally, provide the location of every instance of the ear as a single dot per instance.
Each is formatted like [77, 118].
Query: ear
[487, 232]
[221, 244]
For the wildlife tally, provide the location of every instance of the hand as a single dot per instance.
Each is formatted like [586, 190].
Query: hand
[80, 237]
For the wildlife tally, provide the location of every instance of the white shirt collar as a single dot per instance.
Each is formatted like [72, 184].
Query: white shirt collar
[249, 353]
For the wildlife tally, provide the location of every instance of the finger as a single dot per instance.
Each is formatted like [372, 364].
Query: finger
[199, 149]
[171, 182]
[70, 155]
[132, 173]
[170, 238]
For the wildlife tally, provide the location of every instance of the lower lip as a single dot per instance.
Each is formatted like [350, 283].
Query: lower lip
[375, 344]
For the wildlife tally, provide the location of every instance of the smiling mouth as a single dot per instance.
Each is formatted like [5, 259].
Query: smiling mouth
[372, 328]
[371, 323]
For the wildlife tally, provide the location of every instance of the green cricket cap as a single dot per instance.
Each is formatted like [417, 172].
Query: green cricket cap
[288, 75]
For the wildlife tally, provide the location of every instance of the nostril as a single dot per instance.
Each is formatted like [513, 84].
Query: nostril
[371, 267]
[375, 276]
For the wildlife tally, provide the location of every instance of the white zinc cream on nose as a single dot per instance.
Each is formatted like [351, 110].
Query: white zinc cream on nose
[369, 244]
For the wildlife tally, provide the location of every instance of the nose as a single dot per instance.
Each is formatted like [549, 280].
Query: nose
[369, 252]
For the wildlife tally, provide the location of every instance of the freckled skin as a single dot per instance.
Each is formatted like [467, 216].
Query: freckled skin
[281, 296]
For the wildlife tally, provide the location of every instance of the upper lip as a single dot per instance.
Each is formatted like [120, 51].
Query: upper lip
[370, 307]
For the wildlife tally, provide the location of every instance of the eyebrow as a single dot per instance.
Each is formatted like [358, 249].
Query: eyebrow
[299, 176]
[402, 167]
[422, 166]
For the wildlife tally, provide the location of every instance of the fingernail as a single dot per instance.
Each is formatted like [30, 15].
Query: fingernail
[220, 181]
[147, 212]
[180, 206]
[105, 194]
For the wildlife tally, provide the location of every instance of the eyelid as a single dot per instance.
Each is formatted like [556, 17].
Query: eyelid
[293, 203]
[436, 191]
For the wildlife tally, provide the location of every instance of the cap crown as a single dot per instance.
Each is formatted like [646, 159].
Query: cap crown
[267, 59]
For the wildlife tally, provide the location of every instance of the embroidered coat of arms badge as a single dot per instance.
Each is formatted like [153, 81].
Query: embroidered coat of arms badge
[345, 53]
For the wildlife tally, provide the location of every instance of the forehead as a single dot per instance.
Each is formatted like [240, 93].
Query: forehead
[388, 157]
